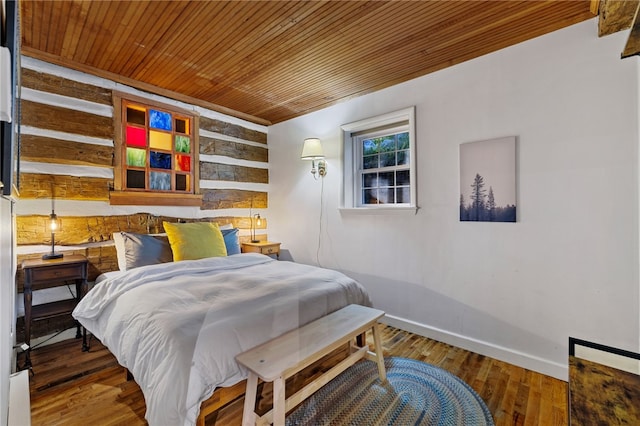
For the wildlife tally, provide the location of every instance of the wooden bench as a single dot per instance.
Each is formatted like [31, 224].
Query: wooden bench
[280, 358]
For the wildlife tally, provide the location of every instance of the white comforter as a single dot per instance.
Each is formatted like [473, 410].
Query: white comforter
[178, 326]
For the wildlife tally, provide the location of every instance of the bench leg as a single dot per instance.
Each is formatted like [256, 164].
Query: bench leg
[279, 407]
[377, 341]
[249, 415]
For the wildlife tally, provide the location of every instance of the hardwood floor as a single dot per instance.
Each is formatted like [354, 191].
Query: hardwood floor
[71, 387]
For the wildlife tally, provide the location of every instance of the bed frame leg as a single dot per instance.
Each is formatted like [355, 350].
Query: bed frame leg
[361, 339]
[127, 375]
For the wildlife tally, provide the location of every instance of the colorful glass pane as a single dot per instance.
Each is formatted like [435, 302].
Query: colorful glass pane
[136, 157]
[135, 179]
[182, 182]
[160, 181]
[160, 140]
[183, 144]
[159, 120]
[183, 163]
[182, 125]
[136, 136]
[159, 160]
[136, 115]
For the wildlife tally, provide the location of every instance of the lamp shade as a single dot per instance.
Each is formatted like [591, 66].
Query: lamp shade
[312, 149]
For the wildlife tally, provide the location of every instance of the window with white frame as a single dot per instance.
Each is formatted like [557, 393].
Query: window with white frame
[379, 162]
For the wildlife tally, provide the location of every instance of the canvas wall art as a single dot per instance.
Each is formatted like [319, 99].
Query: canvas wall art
[488, 180]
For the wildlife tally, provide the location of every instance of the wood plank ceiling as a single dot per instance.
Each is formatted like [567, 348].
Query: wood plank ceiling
[269, 61]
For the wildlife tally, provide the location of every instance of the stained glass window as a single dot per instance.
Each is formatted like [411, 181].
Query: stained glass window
[136, 136]
[183, 143]
[156, 149]
[159, 120]
[183, 163]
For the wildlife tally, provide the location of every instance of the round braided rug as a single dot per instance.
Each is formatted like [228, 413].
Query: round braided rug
[415, 393]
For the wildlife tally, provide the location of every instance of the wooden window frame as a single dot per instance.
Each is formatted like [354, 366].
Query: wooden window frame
[123, 196]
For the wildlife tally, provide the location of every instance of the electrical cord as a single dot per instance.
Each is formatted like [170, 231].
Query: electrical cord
[320, 222]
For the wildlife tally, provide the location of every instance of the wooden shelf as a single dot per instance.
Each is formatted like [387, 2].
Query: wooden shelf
[52, 309]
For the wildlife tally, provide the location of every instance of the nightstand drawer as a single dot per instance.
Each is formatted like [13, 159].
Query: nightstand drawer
[270, 250]
[61, 272]
[264, 247]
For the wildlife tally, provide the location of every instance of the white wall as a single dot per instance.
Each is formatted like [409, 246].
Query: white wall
[568, 267]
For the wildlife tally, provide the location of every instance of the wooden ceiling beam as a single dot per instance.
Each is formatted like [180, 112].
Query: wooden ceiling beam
[615, 15]
[632, 47]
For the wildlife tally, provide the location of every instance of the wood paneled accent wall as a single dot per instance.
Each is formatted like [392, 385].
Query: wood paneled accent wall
[46, 122]
[67, 153]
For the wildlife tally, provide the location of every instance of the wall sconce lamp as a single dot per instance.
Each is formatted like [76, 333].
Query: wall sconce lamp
[256, 220]
[312, 150]
[53, 226]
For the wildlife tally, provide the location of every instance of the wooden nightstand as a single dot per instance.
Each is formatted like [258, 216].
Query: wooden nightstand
[40, 274]
[264, 247]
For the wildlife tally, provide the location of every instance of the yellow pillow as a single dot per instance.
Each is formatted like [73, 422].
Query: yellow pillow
[197, 240]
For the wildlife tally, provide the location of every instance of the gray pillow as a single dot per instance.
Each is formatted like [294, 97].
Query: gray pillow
[141, 250]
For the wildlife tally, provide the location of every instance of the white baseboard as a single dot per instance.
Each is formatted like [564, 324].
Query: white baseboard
[19, 399]
[520, 359]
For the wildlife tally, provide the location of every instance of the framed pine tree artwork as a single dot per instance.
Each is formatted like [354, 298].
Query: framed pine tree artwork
[488, 180]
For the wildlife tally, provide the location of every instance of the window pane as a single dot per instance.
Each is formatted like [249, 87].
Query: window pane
[159, 120]
[183, 144]
[160, 140]
[182, 182]
[370, 162]
[386, 179]
[160, 181]
[135, 179]
[388, 159]
[403, 157]
[136, 116]
[403, 195]
[136, 157]
[160, 160]
[182, 125]
[369, 180]
[370, 196]
[402, 177]
[388, 144]
[403, 140]
[183, 163]
[369, 146]
[136, 136]
[386, 196]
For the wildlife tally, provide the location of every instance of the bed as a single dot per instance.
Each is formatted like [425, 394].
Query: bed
[177, 326]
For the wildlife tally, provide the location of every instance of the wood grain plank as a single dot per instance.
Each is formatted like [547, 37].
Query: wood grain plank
[66, 120]
[233, 198]
[62, 86]
[214, 146]
[234, 130]
[232, 173]
[37, 185]
[50, 150]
